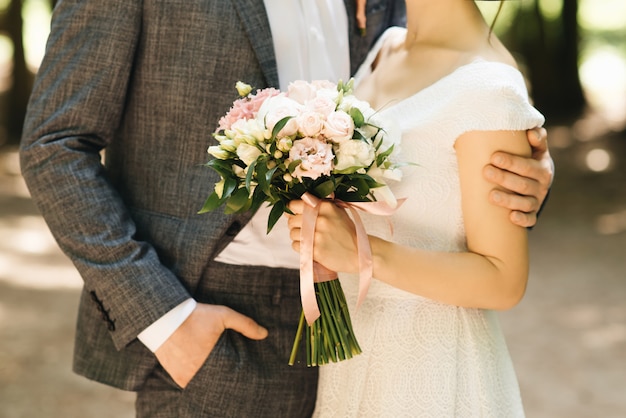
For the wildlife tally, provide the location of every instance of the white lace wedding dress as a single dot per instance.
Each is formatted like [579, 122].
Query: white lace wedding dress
[423, 358]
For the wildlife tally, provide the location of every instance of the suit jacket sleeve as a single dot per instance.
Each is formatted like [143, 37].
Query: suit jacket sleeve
[74, 112]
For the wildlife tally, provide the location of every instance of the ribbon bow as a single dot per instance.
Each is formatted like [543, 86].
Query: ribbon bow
[311, 271]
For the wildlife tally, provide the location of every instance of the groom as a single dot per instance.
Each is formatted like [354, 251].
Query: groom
[146, 82]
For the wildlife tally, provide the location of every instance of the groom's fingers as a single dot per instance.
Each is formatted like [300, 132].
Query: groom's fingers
[538, 140]
[521, 182]
[525, 220]
[522, 166]
[242, 324]
[188, 347]
[523, 208]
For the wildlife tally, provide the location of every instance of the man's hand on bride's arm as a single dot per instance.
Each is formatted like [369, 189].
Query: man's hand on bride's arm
[188, 347]
[525, 181]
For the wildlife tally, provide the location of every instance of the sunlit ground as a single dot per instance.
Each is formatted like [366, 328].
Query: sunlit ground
[29, 255]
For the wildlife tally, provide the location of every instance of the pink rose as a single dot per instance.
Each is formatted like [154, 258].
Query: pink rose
[338, 127]
[310, 123]
[321, 104]
[316, 158]
[301, 91]
[323, 84]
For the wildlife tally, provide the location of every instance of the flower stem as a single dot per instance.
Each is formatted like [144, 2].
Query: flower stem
[330, 337]
[296, 342]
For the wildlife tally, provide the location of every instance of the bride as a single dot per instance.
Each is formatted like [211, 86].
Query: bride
[432, 346]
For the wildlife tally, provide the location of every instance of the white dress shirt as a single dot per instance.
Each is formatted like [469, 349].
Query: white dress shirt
[310, 43]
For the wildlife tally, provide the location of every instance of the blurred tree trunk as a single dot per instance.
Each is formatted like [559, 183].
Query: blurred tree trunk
[22, 79]
[550, 50]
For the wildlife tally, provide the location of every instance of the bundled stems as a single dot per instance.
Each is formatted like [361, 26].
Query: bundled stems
[330, 337]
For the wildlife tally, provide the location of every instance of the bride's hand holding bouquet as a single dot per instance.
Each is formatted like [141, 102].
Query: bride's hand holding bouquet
[315, 142]
[335, 243]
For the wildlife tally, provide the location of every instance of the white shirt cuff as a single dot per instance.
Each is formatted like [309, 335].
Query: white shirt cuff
[163, 328]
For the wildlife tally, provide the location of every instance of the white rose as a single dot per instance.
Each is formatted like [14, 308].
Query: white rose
[310, 123]
[276, 108]
[328, 93]
[353, 154]
[368, 131]
[350, 101]
[382, 174]
[338, 127]
[249, 131]
[248, 153]
[394, 174]
[383, 193]
[301, 91]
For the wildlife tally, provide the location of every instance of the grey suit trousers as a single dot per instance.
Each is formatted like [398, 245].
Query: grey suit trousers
[251, 372]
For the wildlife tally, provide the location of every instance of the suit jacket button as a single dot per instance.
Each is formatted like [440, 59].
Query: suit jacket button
[233, 229]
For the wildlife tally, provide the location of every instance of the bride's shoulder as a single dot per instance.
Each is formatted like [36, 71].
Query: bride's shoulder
[391, 38]
[487, 78]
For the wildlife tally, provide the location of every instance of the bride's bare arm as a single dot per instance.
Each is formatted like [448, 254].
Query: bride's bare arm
[493, 272]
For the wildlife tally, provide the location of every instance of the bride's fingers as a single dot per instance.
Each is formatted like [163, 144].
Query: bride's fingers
[296, 206]
[295, 234]
[294, 221]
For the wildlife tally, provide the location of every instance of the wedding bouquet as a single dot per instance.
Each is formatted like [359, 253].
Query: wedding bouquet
[314, 141]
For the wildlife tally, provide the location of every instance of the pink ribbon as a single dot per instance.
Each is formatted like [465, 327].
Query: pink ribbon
[312, 272]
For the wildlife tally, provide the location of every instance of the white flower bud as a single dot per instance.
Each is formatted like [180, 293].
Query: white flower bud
[218, 152]
[243, 89]
[284, 144]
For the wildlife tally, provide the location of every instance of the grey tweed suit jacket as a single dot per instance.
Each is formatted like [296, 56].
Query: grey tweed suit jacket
[140, 85]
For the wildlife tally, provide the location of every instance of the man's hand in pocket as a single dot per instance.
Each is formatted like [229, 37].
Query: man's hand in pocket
[187, 349]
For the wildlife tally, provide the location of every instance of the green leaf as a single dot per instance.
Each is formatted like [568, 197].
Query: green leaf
[349, 170]
[230, 185]
[292, 167]
[258, 198]
[280, 125]
[250, 174]
[277, 210]
[324, 189]
[357, 116]
[358, 136]
[261, 171]
[383, 156]
[238, 201]
[212, 203]
[267, 179]
[222, 167]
